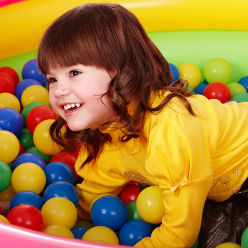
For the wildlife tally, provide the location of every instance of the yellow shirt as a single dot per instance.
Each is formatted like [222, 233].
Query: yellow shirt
[189, 157]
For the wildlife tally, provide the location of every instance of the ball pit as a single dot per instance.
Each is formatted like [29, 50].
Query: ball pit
[186, 41]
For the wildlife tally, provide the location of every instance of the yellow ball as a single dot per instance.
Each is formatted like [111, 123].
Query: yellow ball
[28, 176]
[8, 100]
[43, 140]
[7, 194]
[59, 231]
[35, 93]
[9, 146]
[190, 73]
[4, 219]
[228, 245]
[150, 205]
[59, 211]
[101, 234]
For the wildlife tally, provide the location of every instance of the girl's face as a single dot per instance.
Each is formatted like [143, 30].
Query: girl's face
[75, 93]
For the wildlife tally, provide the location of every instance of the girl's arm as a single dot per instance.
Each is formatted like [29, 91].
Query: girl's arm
[179, 159]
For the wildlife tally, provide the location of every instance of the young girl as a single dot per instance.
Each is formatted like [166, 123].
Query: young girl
[112, 87]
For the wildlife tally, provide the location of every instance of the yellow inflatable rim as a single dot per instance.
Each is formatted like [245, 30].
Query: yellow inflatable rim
[23, 23]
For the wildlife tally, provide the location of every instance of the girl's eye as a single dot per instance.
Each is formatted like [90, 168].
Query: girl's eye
[51, 80]
[74, 73]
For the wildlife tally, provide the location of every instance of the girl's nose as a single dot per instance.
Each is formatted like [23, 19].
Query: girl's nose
[62, 89]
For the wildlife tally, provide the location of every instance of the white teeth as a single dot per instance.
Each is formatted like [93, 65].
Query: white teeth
[73, 105]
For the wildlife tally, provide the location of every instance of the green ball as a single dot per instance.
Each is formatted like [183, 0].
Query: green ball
[5, 176]
[218, 70]
[26, 138]
[240, 97]
[244, 239]
[236, 88]
[195, 245]
[34, 149]
[28, 108]
[132, 211]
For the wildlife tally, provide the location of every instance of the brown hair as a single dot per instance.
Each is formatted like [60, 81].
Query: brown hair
[109, 36]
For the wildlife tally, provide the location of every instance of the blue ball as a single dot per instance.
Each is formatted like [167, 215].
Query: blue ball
[31, 71]
[79, 232]
[28, 157]
[59, 171]
[133, 231]
[244, 81]
[109, 211]
[24, 84]
[62, 189]
[175, 72]
[200, 88]
[11, 120]
[26, 197]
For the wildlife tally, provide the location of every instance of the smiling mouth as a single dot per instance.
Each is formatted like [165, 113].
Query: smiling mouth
[69, 108]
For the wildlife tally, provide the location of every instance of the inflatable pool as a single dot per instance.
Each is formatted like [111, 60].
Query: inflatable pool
[186, 31]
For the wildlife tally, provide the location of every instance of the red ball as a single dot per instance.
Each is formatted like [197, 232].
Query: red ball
[217, 90]
[39, 114]
[21, 150]
[11, 72]
[130, 193]
[68, 158]
[28, 216]
[7, 84]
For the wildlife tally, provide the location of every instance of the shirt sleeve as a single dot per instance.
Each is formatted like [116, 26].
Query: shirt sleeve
[178, 157]
[101, 177]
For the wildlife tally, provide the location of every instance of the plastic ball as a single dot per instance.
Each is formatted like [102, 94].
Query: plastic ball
[5, 176]
[7, 84]
[84, 223]
[43, 140]
[133, 231]
[28, 157]
[58, 230]
[200, 88]
[132, 211]
[79, 231]
[62, 189]
[26, 197]
[24, 84]
[218, 70]
[195, 245]
[59, 211]
[240, 97]
[109, 211]
[11, 120]
[4, 219]
[8, 100]
[190, 73]
[11, 72]
[34, 149]
[26, 216]
[28, 176]
[150, 205]
[101, 234]
[22, 149]
[26, 138]
[236, 88]
[59, 171]
[129, 193]
[30, 70]
[68, 158]
[7, 194]
[39, 114]
[34, 93]
[244, 239]
[229, 245]
[218, 90]
[174, 72]
[244, 81]
[9, 146]
[28, 108]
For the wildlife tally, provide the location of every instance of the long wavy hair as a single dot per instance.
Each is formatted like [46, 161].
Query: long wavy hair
[109, 36]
